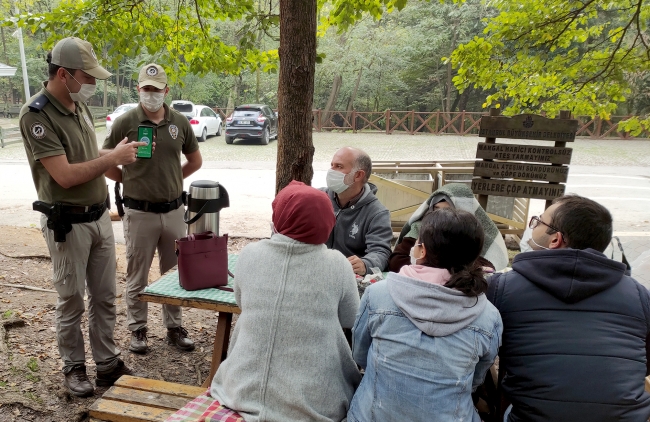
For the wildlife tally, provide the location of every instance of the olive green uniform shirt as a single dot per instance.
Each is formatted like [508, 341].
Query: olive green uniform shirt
[55, 130]
[159, 178]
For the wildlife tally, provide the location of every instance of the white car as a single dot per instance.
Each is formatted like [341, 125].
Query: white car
[118, 112]
[205, 122]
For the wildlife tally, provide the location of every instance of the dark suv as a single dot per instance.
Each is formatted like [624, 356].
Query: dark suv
[252, 121]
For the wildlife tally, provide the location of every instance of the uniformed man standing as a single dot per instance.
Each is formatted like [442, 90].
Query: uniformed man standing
[68, 172]
[153, 189]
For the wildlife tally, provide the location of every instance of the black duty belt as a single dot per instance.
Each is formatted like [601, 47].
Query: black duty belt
[155, 207]
[75, 214]
[60, 217]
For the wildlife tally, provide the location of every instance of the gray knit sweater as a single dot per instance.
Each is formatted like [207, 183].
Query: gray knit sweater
[288, 359]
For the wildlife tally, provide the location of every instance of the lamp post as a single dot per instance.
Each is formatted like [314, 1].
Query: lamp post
[19, 34]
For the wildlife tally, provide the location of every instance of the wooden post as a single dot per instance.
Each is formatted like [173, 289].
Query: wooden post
[462, 123]
[318, 125]
[483, 199]
[412, 121]
[564, 114]
[437, 118]
[387, 118]
[354, 121]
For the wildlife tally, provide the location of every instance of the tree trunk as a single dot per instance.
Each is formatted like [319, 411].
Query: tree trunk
[353, 97]
[449, 83]
[464, 98]
[331, 101]
[296, 91]
[233, 96]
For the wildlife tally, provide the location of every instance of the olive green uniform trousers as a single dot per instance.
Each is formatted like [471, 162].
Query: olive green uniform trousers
[85, 261]
[144, 233]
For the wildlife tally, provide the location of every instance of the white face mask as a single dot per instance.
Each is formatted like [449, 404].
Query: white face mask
[413, 258]
[152, 101]
[532, 242]
[85, 92]
[336, 181]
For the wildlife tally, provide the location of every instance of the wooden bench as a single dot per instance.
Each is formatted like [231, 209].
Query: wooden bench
[134, 399]
[10, 135]
[647, 383]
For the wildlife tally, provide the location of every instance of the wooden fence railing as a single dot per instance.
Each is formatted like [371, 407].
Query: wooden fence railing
[410, 122]
[437, 123]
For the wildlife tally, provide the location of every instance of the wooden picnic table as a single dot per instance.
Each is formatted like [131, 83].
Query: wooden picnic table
[167, 290]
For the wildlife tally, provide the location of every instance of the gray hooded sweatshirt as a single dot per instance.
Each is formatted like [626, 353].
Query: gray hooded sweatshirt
[436, 310]
[362, 229]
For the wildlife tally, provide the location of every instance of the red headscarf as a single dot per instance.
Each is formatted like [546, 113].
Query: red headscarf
[303, 213]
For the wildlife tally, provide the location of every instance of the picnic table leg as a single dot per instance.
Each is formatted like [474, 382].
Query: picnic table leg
[220, 348]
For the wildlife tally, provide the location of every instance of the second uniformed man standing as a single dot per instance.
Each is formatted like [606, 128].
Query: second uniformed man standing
[153, 188]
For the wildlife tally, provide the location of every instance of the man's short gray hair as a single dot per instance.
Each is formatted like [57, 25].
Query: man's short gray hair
[363, 162]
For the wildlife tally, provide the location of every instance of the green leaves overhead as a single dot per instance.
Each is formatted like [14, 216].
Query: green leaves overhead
[548, 55]
[180, 36]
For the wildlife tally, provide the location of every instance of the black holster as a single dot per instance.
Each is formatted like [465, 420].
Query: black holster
[119, 203]
[55, 220]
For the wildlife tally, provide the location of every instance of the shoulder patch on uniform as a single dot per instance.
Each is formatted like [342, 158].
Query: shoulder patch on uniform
[38, 130]
[173, 131]
[38, 103]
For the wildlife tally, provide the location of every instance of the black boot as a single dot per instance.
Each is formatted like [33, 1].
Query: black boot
[108, 378]
[139, 340]
[77, 382]
[178, 337]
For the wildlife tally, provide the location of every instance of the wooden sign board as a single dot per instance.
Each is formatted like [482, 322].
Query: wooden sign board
[517, 189]
[528, 126]
[523, 171]
[534, 153]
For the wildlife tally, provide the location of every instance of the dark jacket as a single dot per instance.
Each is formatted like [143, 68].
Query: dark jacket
[362, 229]
[574, 338]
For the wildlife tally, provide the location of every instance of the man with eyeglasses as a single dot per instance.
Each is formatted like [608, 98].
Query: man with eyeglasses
[575, 338]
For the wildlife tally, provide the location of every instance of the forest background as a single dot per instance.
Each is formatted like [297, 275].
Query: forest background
[428, 56]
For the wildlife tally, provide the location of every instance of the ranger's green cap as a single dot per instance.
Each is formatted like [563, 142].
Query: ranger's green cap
[152, 74]
[75, 53]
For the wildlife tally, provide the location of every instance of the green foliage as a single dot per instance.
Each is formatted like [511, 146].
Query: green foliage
[548, 55]
[180, 37]
[33, 365]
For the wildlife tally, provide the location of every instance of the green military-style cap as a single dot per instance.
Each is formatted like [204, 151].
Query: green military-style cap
[152, 74]
[75, 53]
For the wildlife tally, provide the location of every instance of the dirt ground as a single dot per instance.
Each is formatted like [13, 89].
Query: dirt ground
[31, 382]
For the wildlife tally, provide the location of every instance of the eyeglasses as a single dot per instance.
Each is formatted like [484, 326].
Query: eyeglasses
[536, 221]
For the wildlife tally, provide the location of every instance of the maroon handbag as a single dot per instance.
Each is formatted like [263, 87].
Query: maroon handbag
[203, 261]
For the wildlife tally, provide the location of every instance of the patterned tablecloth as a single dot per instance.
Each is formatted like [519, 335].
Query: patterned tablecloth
[168, 285]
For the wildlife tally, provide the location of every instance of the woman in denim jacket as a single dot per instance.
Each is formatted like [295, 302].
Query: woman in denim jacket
[427, 336]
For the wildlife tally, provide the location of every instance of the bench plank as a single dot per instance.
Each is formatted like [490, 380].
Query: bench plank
[116, 411]
[179, 390]
[147, 398]
[647, 383]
